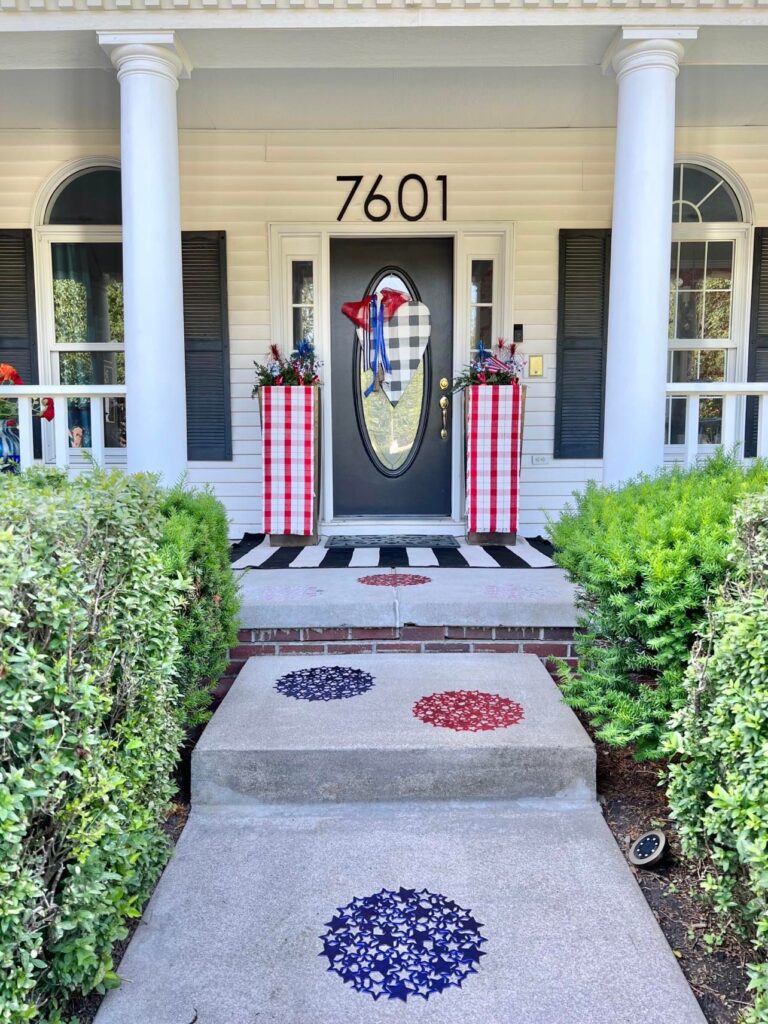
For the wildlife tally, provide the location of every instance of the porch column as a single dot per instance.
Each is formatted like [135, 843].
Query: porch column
[636, 370]
[149, 66]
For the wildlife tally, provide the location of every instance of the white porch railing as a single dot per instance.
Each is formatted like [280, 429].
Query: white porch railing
[733, 421]
[56, 439]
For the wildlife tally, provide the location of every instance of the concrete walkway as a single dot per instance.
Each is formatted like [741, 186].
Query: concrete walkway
[357, 853]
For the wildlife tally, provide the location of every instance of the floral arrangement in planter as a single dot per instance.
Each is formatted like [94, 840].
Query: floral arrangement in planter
[502, 366]
[297, 370]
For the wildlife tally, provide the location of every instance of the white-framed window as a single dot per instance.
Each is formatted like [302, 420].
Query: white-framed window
[302, 318]
[80, 281]
[707, 296]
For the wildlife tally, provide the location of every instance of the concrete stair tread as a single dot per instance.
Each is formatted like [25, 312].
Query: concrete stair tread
[290, 598]
[264, 744]
[232, 933]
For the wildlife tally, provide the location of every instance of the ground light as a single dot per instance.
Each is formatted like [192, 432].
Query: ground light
[649, 850]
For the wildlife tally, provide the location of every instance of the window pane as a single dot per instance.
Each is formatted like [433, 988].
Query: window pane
[482, 280]
[79, 422]
[480, 327]
[719, 264]
[697, 365]
[303, 325]
[710, 420]
[722, 205]
[92, 367]
[689, 315]
[88, 292]
[692, 264]
[303, 282]
[675, 427]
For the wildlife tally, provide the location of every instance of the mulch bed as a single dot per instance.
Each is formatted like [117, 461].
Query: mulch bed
[633, 802]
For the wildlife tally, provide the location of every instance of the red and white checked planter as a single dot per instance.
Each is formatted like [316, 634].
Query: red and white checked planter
[494, 435]
[289, 426]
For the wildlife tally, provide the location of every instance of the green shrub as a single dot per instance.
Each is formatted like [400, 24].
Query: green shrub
[196, 548]
[89, 728]
[718, 786]
[645, 557]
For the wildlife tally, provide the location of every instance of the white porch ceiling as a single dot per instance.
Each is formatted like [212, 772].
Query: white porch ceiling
[417, 46]
[406, 78]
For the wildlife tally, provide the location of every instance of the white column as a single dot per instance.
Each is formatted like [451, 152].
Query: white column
[148, 68]
[636, 371]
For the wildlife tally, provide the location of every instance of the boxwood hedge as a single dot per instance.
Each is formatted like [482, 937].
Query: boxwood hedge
[108, 590]
[645, 557]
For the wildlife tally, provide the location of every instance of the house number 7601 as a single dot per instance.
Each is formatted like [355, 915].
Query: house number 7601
[377, 206]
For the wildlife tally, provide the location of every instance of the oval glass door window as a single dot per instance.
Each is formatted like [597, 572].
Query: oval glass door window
[392, 434]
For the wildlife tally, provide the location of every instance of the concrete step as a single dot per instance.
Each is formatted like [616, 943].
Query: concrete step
[264, 745]
[289, 598]
[249, 919]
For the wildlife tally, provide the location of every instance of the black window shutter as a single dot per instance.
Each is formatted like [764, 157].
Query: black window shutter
[582, 329]
[206, 345]
[18, 325]
[757, 362]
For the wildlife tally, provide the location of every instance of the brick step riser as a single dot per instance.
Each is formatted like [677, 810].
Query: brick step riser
[547, 642]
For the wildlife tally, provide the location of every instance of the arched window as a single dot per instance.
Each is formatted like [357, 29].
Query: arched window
[707, 328]
[91, 196]
[702, 196]
[81, 258]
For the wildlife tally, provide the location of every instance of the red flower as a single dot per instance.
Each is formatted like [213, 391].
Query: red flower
[501, 342]
[481, 378]
[275, 351]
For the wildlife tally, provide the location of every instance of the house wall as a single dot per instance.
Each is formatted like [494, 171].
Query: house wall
[240, 181]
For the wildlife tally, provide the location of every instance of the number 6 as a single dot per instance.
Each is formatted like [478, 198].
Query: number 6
[374, 197]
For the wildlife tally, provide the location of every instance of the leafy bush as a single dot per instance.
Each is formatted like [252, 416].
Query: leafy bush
[718, 788]
[196, 548]
[645, 557]
[89, 728]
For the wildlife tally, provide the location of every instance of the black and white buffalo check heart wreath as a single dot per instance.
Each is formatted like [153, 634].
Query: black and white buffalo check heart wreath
[407, 335]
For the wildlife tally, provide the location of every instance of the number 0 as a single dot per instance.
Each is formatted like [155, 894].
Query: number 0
[424, 201]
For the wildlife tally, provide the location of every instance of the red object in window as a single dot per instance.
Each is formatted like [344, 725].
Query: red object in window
[10, 375]
[397, 579]
[468, 711]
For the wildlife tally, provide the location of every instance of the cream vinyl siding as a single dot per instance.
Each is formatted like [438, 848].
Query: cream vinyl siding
[240, 182]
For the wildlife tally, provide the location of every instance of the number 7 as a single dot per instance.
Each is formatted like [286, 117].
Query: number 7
[358, 180]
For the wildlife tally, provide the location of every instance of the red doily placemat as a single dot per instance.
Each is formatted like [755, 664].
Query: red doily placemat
[468, 710]
[396, 579]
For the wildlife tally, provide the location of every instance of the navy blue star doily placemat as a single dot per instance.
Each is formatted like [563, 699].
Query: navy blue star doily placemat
[404, 943]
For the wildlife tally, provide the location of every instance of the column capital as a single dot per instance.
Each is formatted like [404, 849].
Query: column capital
[148, 53]
[634, 49]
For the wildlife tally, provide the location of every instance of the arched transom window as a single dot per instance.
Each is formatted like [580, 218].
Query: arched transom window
[706, 326]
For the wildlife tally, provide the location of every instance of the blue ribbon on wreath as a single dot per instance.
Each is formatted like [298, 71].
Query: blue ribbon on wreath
[379, 359]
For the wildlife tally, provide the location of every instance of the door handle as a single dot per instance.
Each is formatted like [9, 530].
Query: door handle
[444, 409]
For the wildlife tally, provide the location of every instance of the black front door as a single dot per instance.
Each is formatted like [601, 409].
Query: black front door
[391, 457]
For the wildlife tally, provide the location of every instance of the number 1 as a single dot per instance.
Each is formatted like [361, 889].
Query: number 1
[443, 179]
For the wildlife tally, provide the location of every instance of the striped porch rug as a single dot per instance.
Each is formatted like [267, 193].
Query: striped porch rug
[254, 552]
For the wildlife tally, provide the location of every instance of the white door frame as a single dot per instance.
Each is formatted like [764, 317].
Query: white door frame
[481, 240]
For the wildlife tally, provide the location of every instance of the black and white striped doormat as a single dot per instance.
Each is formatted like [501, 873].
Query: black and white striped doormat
[254, 552]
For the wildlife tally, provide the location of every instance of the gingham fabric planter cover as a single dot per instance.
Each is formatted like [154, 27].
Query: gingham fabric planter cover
[494, 415]
[288, 463]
